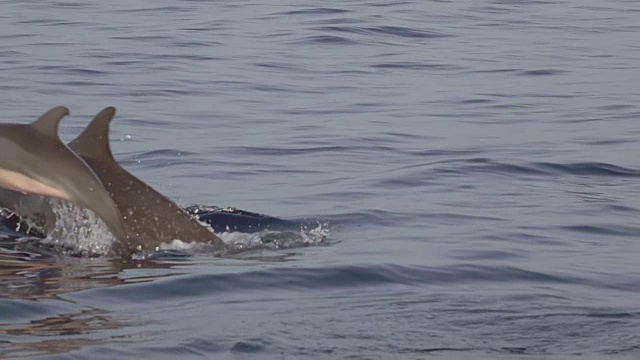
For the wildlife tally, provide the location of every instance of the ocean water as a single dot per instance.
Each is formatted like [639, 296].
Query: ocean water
[474, 166]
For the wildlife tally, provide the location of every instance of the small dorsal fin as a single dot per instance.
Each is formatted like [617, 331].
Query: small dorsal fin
[94, 140]
[48, 123]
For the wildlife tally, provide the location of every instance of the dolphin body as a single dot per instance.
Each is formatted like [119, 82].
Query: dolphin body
[148, 216]
[33, 160]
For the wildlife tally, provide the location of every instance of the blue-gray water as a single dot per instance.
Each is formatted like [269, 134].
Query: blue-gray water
[477, 162]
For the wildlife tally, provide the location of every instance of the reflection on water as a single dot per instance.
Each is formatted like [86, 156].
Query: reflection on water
[36, 276]
[27, 274]
[86, 322]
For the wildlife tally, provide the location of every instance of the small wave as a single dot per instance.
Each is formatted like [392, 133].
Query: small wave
[410, 65]
[329, 40]
[337, 277]
[608, 229]
[398, 31]
[590, 168]
[537, 168]
[314, 11]
[541, 72]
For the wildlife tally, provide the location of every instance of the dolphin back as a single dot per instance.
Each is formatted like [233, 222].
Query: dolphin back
[148, 215]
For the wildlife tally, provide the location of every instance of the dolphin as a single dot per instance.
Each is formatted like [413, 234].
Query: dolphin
[148, 216]
[35, 161]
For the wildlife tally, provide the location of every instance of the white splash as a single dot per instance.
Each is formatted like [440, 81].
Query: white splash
[239, 241]
[78, 231]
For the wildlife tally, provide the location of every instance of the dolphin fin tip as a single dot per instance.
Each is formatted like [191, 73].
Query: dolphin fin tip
[94, 140]
[49, 121]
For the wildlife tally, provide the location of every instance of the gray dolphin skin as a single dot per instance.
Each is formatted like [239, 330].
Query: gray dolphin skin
[35, 161]
[148, 216]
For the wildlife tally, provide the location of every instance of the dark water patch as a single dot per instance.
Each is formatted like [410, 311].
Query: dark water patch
[607, 142]
[396, 31]
[53, 22]
[486, 255]
[441, 153]
[604, 118]
[613, 315]
[415, 66]
[12, 37]
[70, 5]
[328, 40]
[245, 347]
[150, 10]
[433, 350]
[75, 84]
[407, 32]
[408, 136]
[390, 3]
[141, 37]
[606, 229]
[616, 107]
[124, 62]
[314, 11]
[621, 208]
[527, 2]
[590, 169]
[162, 93]
[485, 165]
[279, 66]
[475, 101]
[492, 71]
[542, 72]
[273, 89]
[53, 43]
[335, 21]
[83, 71]
[197, 44]
[404, 181]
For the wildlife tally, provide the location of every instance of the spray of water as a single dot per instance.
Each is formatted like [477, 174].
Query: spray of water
[78, 231]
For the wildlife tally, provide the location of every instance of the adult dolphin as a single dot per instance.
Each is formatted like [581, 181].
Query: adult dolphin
[35, 161]
[148, 215]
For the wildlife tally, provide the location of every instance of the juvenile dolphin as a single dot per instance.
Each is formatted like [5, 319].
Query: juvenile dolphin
[33, 160]
[148, 215]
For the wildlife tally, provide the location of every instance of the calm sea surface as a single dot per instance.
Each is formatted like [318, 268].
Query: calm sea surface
[474, 166]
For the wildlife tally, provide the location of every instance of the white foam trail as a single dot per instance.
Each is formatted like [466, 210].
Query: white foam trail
[263, 239]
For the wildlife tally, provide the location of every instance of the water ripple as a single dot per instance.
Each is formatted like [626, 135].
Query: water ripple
[396, 31]
[329, 278]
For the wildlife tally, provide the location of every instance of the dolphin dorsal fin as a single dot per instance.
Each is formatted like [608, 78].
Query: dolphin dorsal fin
[94, 140]
[48, 123]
